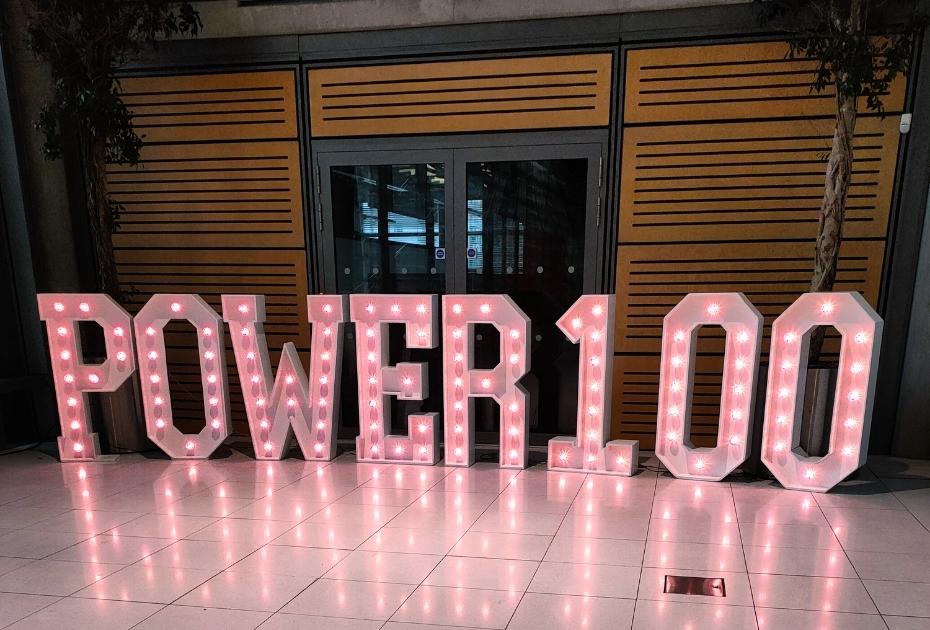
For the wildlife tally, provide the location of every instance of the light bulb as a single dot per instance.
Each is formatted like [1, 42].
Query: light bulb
[176, 307]
[84, 306]
[485, 308]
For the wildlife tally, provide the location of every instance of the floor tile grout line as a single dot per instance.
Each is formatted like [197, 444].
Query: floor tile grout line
[849, 560]
[739, 534]
[542, 559]
[655, 489]
[446, 554]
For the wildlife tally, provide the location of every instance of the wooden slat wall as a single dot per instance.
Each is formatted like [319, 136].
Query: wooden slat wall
[723, 160]
[214, 206]
[441, 97]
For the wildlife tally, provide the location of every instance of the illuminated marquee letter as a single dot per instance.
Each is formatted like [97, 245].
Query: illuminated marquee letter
[309, 406]
[462, 382]
[153, 372]
[861, 328]
[71, 376]
[408, 381]
[590, 321]
[743, 326]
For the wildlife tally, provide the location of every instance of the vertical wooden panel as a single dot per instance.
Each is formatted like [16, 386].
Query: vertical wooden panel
[722, 173]
[215, 206]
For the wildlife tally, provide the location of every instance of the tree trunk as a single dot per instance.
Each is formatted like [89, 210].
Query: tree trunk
[833, 206]
[99, 213]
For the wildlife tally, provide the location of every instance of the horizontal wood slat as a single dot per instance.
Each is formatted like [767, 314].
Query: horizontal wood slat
[727, 82]
[278, 274]
[240, 194]
[203, 107]
[636, 399]
[480, 95]
[749, 181]
[651, 279]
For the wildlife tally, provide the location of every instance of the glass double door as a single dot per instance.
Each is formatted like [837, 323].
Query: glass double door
[516, 220]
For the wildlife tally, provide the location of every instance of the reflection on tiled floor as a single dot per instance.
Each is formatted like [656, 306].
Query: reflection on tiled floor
[234, 543]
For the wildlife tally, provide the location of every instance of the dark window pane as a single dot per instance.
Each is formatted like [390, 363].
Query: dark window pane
[526, 231]
[388, 222]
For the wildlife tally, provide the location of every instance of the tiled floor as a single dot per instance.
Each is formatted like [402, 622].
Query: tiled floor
[235, 543]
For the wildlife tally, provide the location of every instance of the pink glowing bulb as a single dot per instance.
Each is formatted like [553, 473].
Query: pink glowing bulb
[62, 331]
[243, 308]
[93, 378]
[784, 392]
[734, 440]
[209, 355]
[736, 414]
[318, 447]
[422, 428]
[84, 306]
[370, 332]
[514, 407]
[485, 308]
[739, 389]
[158, 400]
[268, 447]
[159, 423]
[675, 386]
[407, 380]
[595, 361]
[291, 402]
[597, 310]
[211, 379]
[75, 425]
[370, 308]
[861, 337]
[65, 355]
[190, 445]
[58, 306]
[577, 323]
[699, 464]
[593, 410]
[486, 383]
[176, 307]
[78, 447]
[263, 424]
[69, 378]
[563, 456]
[677, 361]
[674, 411]
[827, 307]
[154, 378]
[809, 473]
[742, 336]
[781, 419]
[856, 368]
[779, 447]
[324, 356]
[513, 454]
[513, 431]
[395, 308]
[255, 378]
[260, 402]
[250, 356]
[324, 380]
[214, 402]
[855, 395]
[847, 451]
[153, 355]
[621, 460]
[327, 331]
[372, 380]
[457, 333]
[150, 331]
[457, 357]
[595, 386]
[790, 337]
[398, 449]
[375, 448]
[787, 366]
[457, 309]
[514, 334]
[672, 436]
[850, 423]
[679, 335]
[121, 356]
[327, 308]
[215, 424]
[72, 402]
[244, 332]
[713, 309]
